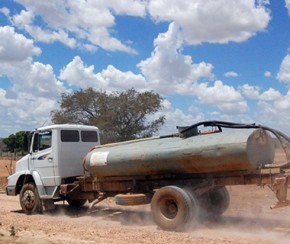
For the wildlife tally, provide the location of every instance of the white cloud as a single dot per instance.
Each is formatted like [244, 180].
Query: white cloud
[25, 75]
[31, 101]
[32, 78]
[283, 105]
[125, 7]
[272, 108]
[213, 21]
[25, 20]
[194, 114]
[287, 3]
[27, 112]
[249, 91]
[5, 11]
[123, 80]
[31, 108]
[89, 24]
[176, 117]
[82, 24]
[270, 95]
[217, 93]
[253, 92]
[15, 47]
[33, 89]
[168, 70]
[76, 73]
[3, 100]
[224, 97]
[284, 72]
[275, 113]
[231, 74]
[267, 74]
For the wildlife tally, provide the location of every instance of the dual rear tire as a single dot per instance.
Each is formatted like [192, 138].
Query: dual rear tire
[175, 209]
[76, 203]
[215, 202]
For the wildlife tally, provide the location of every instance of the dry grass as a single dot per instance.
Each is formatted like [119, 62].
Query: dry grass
[6, 164]
[3, 182]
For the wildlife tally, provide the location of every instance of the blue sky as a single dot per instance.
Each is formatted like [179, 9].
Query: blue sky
[209, 60]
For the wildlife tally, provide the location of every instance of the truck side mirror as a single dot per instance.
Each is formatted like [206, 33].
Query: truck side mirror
[27, 141]
[33, 143]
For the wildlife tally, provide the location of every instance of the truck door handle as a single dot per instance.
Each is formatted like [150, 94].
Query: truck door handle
[50, 159]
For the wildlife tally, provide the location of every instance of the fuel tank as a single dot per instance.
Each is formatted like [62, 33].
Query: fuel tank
[231, 150]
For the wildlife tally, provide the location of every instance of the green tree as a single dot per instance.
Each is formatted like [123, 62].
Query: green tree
[17, 142]
[120, 116]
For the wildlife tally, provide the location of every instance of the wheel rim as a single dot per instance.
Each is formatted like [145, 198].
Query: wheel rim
[28, 199]
[169, 208]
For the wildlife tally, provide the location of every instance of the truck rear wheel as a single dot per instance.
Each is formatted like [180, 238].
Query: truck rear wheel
[172, 208]
[29, 199]
[77, 203]
[215, 202]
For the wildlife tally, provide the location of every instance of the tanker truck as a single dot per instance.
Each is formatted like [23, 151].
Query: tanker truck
[180, 175]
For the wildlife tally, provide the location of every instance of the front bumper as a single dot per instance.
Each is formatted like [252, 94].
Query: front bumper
[11, 191]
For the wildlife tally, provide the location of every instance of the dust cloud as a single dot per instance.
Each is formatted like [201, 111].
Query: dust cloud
[248, 220]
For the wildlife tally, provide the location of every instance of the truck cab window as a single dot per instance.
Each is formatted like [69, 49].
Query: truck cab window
[42, 140]
[45, 140]
[89, 136]
[69, 136]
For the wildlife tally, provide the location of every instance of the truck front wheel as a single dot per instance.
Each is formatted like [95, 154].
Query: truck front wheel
[172, 208]
[29, 199]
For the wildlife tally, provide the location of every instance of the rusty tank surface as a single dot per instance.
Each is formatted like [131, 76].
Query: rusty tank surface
[187, 152]
[184, 175]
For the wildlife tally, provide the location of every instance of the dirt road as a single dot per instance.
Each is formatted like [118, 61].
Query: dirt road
[248, 220]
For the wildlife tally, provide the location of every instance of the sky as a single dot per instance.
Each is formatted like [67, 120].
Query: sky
[209, 60]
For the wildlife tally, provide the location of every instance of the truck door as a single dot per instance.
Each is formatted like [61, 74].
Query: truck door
[42, 157]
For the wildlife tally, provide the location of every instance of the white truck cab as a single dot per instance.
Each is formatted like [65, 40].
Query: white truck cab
[55, 157]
